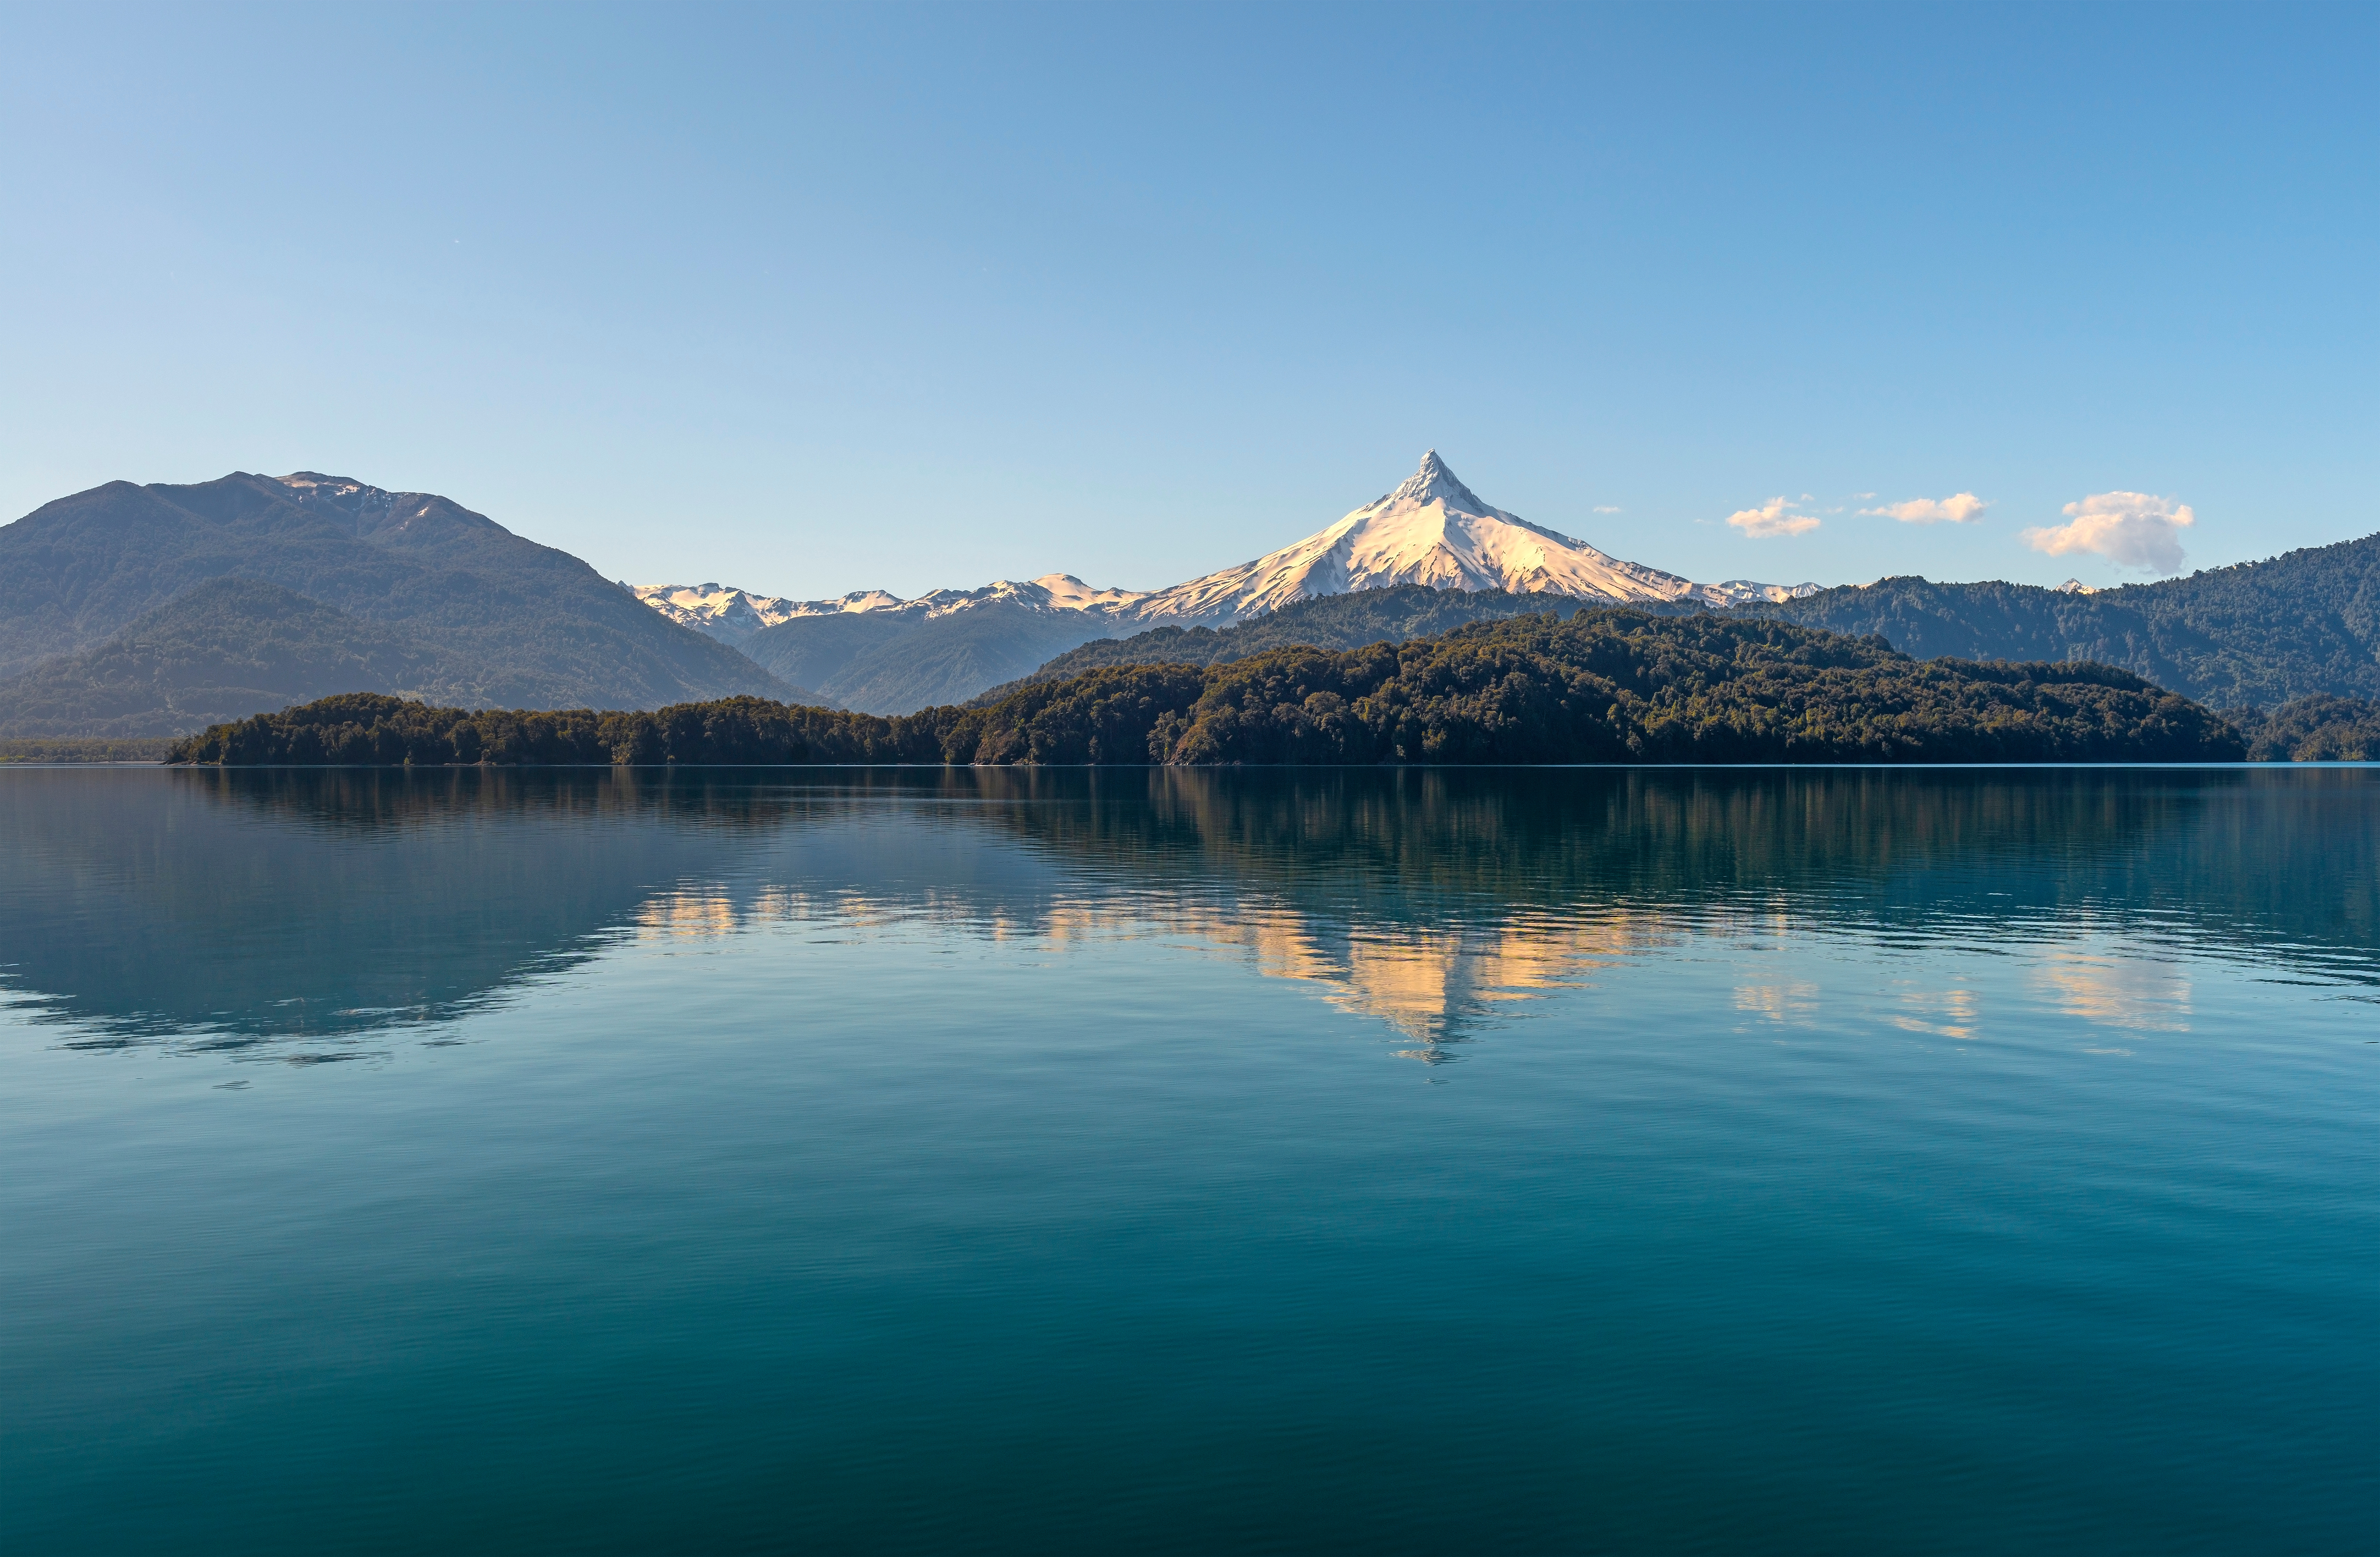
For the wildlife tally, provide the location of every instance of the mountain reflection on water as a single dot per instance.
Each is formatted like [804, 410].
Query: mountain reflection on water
[309, 910]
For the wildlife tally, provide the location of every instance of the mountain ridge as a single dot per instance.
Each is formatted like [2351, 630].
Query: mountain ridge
[2254, 634]
[1431, 529]
[1333, 623]
[512, 621]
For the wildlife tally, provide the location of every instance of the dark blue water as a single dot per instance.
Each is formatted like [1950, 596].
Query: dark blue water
[1834, 1161]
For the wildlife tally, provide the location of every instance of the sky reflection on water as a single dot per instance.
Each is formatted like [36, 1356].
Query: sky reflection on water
[1837, 1160]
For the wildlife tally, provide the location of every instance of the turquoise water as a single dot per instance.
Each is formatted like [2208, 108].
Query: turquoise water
[1824, 1160]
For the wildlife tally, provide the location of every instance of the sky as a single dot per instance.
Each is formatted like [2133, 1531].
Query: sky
[808, 300]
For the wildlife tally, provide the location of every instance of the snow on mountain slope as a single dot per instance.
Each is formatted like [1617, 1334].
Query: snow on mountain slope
[734, 614]
[720, 610]
[1431, 530]
[1743, 592]
[1434, 530]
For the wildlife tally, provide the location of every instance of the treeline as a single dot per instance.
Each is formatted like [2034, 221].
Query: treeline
[79, 749]
[2316, 729]
[1605, 687]
[1348, 621]
[2259, 634]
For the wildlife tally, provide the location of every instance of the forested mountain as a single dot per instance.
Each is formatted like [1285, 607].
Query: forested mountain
[220, 651]
[1349, 621]
[1609, 686]
[894, 662]
[2316, 729]
[482, 615]
[876, 651]
[2257, 634]
[2254, 634]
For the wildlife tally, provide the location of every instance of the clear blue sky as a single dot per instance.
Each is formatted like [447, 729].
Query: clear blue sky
[819, 299]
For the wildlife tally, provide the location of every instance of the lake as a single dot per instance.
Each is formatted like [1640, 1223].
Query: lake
[1826, 1160]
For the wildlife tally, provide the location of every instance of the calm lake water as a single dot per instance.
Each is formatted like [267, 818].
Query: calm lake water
[1826, 1160]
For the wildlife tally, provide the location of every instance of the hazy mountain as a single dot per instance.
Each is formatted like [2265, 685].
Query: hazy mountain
[2259, 633]
[881, 653]
[224, 649]
[409, 589]
[894, 661]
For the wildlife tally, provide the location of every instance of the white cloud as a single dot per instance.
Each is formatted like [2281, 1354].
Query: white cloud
[1771, 518]
[2130, 528]
[1960, 508]
[1607, 510]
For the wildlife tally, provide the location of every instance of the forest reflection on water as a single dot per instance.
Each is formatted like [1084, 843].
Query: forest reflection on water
[298, 914]
[1814, 1160]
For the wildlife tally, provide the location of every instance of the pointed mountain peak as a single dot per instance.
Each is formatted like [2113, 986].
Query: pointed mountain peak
[1434, 482]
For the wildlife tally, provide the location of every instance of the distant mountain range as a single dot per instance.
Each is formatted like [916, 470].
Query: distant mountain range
[129, 611]
[1333, 622]
[2255, 634]
[879, 653]
[157, 609]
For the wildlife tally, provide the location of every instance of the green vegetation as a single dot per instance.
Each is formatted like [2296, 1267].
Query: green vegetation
[2257, 634]
[228, 648]
[399, 591]
[207, 932]
[1605, 687]
[70, 750]
[2316, 729]
[1348, 621]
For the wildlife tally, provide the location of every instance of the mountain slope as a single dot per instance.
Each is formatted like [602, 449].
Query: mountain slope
[2257, 634]
[2314, 729]
[223, 650]
[893, 662]
[1433, 530]
[226, 649]
[1333, 622]
[513, 623]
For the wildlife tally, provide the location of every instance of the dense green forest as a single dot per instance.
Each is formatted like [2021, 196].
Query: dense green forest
[1348, 621]
[2316, 729]
[1605, 687]
[226, 647]
[2253, 634]
[82, 749]
[209, 931]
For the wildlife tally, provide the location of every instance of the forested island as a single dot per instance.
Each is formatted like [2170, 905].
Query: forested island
[1613, 686]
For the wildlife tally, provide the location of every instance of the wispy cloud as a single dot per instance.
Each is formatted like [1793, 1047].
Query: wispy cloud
[1959, 508]
[1771, 518]
[1607, 510]
[2130, 528]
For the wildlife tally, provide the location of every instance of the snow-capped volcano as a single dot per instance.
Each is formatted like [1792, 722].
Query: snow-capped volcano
[1434, 530]
[1431, 530]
